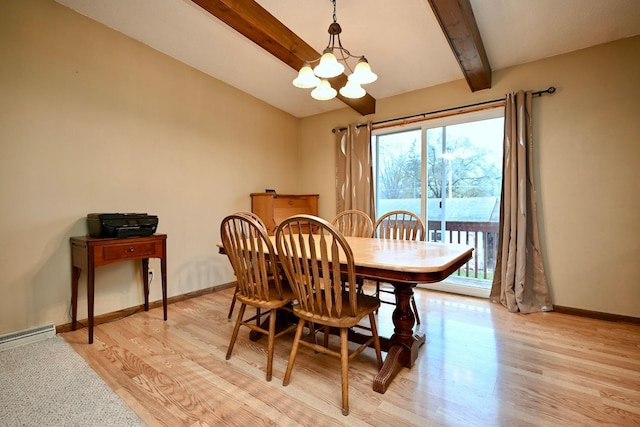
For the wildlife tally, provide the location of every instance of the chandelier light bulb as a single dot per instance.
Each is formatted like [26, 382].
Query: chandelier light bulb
[328, 66]
[363, 74]
[352, 90]
[324, 91]
[306, 79]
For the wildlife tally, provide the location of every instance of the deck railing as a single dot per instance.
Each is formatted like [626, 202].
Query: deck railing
[483, 236]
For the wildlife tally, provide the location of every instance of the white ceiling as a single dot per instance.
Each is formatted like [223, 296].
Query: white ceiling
[401, 39]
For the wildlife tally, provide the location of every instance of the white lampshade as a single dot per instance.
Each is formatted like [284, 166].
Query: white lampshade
[324, 91]
[352, 90]
[306, 79]
[363, 74]
[328, 66]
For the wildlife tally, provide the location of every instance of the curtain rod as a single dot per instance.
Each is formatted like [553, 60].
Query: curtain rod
[551, 89]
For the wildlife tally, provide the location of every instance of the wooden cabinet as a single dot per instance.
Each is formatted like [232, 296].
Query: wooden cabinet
[273, 209]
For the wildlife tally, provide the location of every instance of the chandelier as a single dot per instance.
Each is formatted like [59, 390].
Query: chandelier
[329, 66]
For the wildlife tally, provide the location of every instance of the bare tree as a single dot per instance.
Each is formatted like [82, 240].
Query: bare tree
[468, 174]
[399, 172]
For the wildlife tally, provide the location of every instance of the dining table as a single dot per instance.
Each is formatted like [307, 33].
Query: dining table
[404, 264]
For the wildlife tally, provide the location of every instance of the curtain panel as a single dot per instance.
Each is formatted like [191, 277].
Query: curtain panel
[519, 282]
[354, 179]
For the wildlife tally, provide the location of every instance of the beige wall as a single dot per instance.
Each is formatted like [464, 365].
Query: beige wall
[92, 121]
[587, 157]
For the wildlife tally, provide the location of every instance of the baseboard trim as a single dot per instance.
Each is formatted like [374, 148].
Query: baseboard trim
[596, 315]
[108, 317]
[459, 287]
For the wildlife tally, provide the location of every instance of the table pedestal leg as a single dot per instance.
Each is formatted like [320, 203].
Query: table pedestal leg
[403, 344]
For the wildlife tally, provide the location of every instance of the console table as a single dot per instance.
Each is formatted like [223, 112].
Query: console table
[89, 253]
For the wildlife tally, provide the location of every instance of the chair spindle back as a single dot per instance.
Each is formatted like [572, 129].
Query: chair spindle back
[353, 223]
[308, 260]
[400, 225]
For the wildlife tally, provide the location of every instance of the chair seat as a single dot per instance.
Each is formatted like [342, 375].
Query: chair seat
[273, 302]
[347, 319]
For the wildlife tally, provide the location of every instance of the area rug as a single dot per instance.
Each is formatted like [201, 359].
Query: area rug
[47, 383]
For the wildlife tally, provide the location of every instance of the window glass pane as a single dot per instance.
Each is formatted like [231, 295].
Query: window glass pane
[398, 166]
[465, 160]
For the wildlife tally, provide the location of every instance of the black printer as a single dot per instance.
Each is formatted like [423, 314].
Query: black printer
[121, 224]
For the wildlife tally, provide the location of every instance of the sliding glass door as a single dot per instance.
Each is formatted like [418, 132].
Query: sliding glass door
[448, 171]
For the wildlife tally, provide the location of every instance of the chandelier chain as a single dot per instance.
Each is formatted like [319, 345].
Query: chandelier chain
[335, 15]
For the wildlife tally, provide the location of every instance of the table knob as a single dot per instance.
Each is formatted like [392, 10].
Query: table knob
[130, 249]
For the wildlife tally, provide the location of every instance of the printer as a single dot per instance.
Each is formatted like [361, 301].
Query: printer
[121, 224]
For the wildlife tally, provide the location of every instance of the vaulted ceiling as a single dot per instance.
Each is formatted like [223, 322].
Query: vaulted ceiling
[257, 46]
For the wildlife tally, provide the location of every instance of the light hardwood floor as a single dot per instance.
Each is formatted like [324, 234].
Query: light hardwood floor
[481, 366]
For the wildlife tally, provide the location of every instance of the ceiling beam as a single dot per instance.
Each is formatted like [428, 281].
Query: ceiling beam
[461, 31]
[257, 24]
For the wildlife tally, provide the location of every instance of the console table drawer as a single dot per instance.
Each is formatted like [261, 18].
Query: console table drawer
[133, 250]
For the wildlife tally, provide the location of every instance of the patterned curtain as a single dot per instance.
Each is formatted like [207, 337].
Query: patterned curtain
[354, 182]
[519, 282]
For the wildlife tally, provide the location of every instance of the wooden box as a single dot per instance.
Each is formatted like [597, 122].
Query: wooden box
[273, 209]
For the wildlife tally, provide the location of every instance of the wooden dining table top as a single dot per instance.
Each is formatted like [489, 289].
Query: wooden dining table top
[406, 261]
[408, 256]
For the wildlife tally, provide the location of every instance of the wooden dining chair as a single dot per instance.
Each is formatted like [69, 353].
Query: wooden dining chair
[259, 220]
[398, 225]
[252, 257]
[309, 263]
[353, 223]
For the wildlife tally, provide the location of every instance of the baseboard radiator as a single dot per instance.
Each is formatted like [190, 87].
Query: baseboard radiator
[26, 336]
